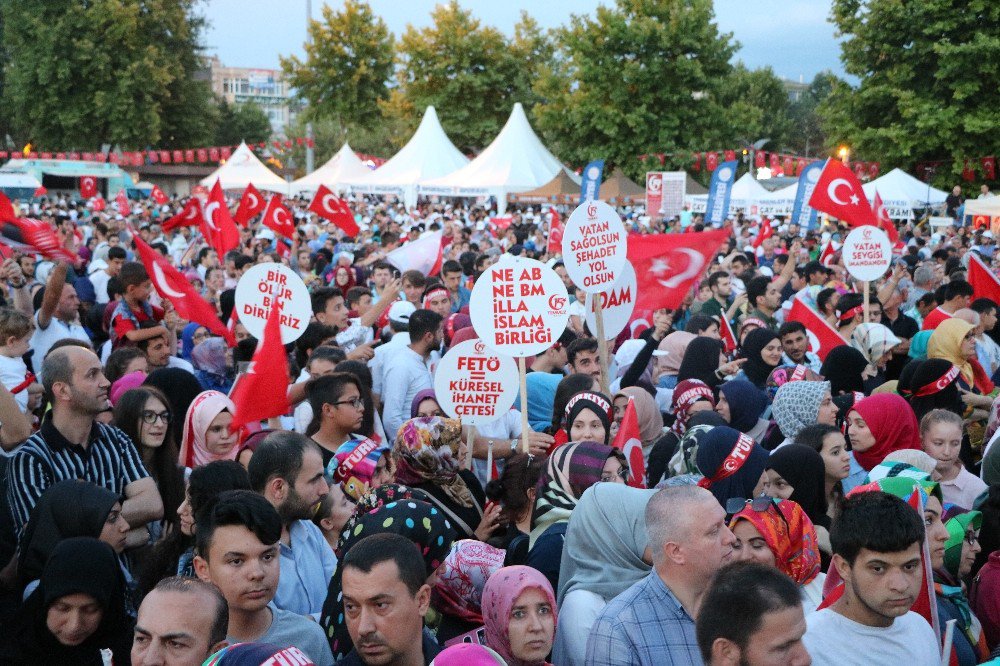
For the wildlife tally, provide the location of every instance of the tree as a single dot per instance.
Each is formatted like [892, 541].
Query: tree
[471, 74]
[806, 136]
[640, 77]
[928, 73]
[241, 122]
[756, 104]
[349, 61]
[80, 74]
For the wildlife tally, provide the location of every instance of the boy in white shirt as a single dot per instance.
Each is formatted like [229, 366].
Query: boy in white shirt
[16, 329]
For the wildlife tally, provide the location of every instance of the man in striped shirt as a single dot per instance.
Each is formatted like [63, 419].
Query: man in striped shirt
[71, 445]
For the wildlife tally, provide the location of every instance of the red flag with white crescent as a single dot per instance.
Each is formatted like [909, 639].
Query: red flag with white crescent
[251, 203]
[822, 336]
[88, 186]
[556, 228]
[423, 254]
[827, 254]
[984, 282]
[839, 193]
[278, 218]
[158, 195]
[884, 221]
[191, 215]
[729, 341]
[98, 204]
[262, 392]
[173, 286]
[121, 200]
[33, 237]
[328, 206]
[224, 234]
[629, 441]
[6, 208]
[765, 232]
[668, 265]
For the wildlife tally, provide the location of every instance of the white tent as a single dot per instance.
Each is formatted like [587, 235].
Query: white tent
[516, 161]
[428, 154]
[901, 193]
[243, 168]
[747, 195]
[343, 166]
[990, 206]
[779, 202]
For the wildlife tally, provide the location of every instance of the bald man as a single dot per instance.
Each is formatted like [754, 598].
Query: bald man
[181, 622]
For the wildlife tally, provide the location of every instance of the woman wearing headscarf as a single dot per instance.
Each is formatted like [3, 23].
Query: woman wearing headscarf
[681, 462]
[568, 387]
[846, 369]
[524, 639]
[762, 351]
[571, 469]
[918, 345]
[875, 342]
[702, 360]
[800, 404]
[934, 385]
[668, 357]
[646, 411]
[742, 404]
[732, 464]
[779, 533]
[206, 431]
[904, 386]
[358, 465]
[605, 553]
[797, 472]
[425, 455]
[954, 340]
[969, 641]
[879, 425]
[210, 366]
[588, 417]
[425, 405]
[394, 509]
[192, 335]
[342, 279]
[458, 593]
[81, 573]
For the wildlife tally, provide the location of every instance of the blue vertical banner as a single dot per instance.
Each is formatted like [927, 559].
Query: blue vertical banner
[803, 214]
[719, 192]
[591, 184]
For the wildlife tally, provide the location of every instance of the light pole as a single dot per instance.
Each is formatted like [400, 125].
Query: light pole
[844, 154]
[310, 157]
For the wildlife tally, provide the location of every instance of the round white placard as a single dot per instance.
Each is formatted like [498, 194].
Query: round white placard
[617, 304]
[867, 253]
[255, 295]
[475, 384]
[594, 246]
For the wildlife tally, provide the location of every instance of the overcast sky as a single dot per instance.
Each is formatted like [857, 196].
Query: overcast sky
[794, 37]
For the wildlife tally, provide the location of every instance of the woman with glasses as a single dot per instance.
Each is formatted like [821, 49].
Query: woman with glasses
[960, 552]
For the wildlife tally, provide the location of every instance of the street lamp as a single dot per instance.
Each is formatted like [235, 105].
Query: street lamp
[309, 127]
[843, 153]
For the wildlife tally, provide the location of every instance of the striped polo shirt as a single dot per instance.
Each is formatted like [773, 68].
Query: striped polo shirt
[109, 460]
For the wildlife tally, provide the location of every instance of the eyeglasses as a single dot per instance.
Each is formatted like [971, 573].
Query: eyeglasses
[149, 417]
[971, 538]
[759, 504]
[356, 403]
[610, 476]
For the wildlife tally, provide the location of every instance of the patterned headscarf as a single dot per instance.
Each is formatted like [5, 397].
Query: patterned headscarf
[502, 591]
[421, 523]
[784, 374]
[790, 535]
[796, 405]
[375, 499]
[210, 356]
[892, 424]
[685, 395]
[206, 406]
[426, 450]
[353, 465]
[873, 341]
[958, 521]
[459, 590]
[570, 470]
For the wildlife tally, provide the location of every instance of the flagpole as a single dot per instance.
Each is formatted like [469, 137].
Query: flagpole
[602, 343]
[309, 126]
[525, 428]
[866, 301]
[468, 447]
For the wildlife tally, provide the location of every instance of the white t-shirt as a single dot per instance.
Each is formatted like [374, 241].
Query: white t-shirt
[43, 339]
[834, 640]
[12, 373]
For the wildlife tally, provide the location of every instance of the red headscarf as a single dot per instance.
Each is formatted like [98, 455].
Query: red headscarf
[790, 535]
[893, 424]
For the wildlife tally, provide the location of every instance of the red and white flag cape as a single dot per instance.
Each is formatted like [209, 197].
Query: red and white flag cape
[766, 231]
[668, 265]
[278, 218]
[262, 392]
[984, 282]
[224, 234]
[88, 187]
[173, 286]
[121, 200]
[158, 196]
[251, 203]
[822, 336]
[556, 229]
[729, 341]
[327, 205]
[630, 443]
[839, 193]
[423, 254]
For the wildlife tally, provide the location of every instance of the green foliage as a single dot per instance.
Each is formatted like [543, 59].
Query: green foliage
[806, 136]
[347, 66]
[756, 105]
[80, 74]
[928, 73]
[643, 76]
[241, 122]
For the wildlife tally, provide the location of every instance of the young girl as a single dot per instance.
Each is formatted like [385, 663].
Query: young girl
[941, 436]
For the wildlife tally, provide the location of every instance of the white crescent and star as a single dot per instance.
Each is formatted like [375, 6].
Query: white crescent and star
[252, 200]
[210, 213]
[695, 264]
[327, 203]
[831, 191]
[162, 284]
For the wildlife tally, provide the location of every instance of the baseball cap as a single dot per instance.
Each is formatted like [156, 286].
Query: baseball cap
[400, 312]
[266, 234]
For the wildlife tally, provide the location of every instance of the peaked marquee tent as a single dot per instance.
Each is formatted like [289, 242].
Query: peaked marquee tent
[428, 154]
[620, 190]
[561, 190]
[901, 193]
[516, 161]
[343, 166]
[243, 168]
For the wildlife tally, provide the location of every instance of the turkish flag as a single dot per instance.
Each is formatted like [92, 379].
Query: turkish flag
[30, 236]
[422, 254]
[668, 265]
[630, 443]
[41, 191]
[884, 221]
[696, 162]
[989, 167]
[88, 187]
[774, 162]
[711, 161]
[984, 282]
[766, 231]
[278, 218]
[173, 286]
[225, 236]
[251, 203]
[726, 334]
[328, 206]
[758, 159]
[827, 254]
[6, 208]
[190, 216]
[158, 195]
[262, 392]
[97, 204]
[121, 200]
[822, 336]
[556, 229]
[839, 193]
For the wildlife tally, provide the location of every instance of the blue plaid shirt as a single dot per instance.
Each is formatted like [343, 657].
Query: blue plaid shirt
[645, 625]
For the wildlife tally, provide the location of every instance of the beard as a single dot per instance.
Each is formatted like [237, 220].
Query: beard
[294, 508]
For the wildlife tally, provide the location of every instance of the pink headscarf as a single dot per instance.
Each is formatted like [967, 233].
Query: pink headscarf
[203, 410]
[501, 593]
[125, 383]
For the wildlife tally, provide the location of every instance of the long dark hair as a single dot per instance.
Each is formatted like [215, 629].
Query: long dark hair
[164, 468]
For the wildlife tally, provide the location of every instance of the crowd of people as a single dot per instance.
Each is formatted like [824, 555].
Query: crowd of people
[790, 509]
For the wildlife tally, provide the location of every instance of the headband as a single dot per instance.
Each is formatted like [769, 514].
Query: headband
[360, 452]
[850, 314]
[431, 292]
[694, 394]
[939, 385]
[586, 395]
[741, 449]
[753, 320]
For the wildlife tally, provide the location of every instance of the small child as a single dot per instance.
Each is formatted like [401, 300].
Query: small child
[16, 329]
[134, 310]
[941, 435]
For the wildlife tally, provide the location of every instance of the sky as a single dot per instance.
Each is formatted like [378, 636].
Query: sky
[794, 37]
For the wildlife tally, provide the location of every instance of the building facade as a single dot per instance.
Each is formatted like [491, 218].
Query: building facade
[265, 87]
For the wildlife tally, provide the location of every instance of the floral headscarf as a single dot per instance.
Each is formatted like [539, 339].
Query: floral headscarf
[459, 590]
[873, 341]
[686, 394]
[426, 450]
[796, 405]
[502, 591]
[206, 406]
[790, 535]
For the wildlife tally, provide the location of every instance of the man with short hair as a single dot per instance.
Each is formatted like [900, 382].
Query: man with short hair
[408, 374]
[721, 288]
[399, 324]
[287, 469]
[877, 544]
[385, 599]
[182, 622]
[554, 359]
[207, 258]
[795, 343]
[335, 400]
[652, 622]
[583, 357]
[956, 295]
[752, 616]
[437, 299]
[381, 272]
[237, 541]
[451, 275]
[99, 276]
[413, 284]
[57, 317]
[764, 299]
